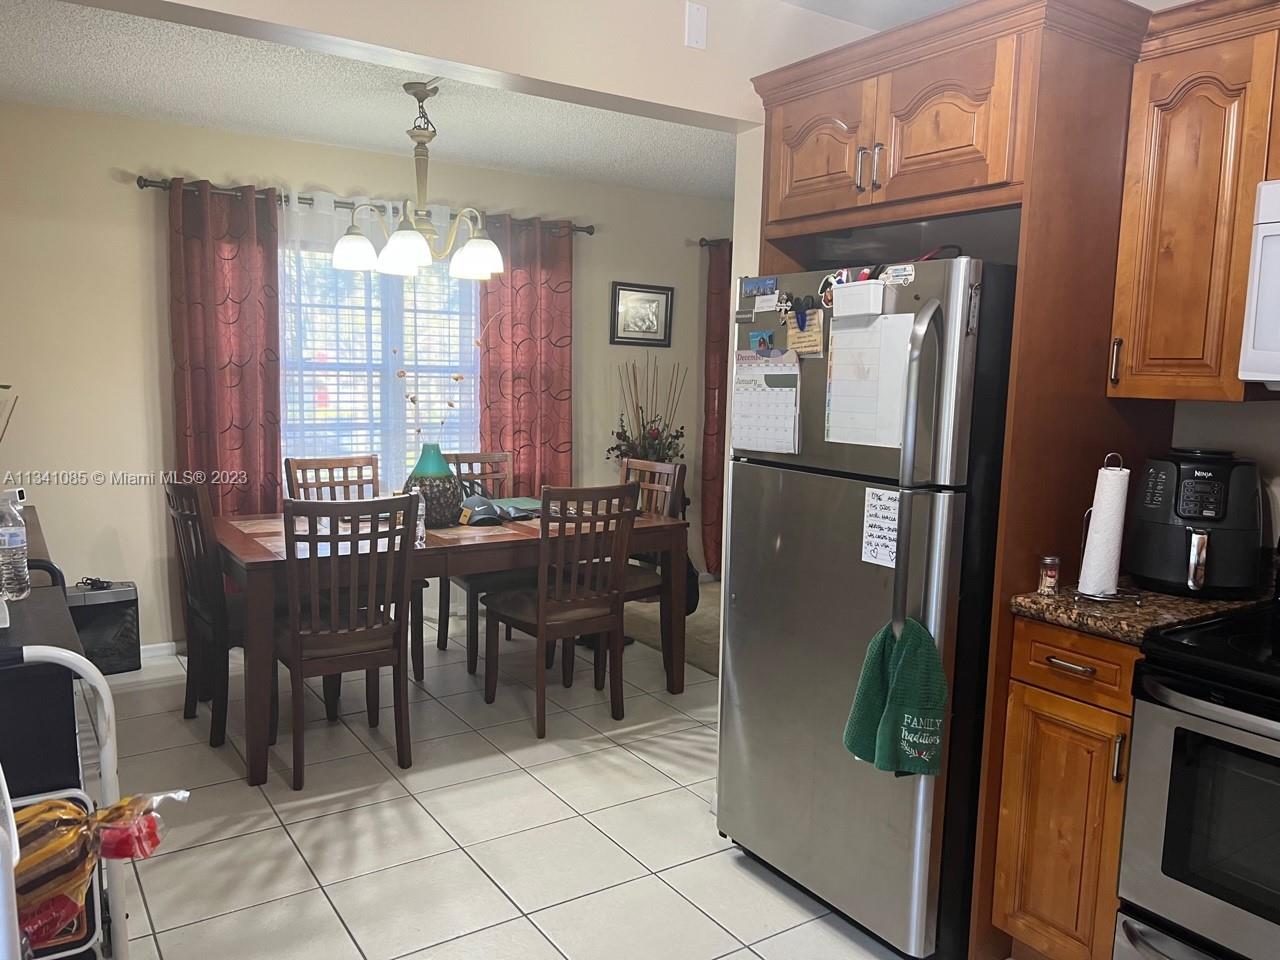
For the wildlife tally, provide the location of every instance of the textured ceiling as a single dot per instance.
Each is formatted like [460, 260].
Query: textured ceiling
[67, 55]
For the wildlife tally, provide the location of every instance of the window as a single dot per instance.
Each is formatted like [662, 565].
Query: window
[345, 338]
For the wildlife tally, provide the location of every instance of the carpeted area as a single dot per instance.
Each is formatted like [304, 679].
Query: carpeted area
[701, 631]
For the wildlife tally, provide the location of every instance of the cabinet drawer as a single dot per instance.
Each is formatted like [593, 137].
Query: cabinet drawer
[1079, 665]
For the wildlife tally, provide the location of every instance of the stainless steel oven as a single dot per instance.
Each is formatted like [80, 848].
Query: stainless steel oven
[1202, 817]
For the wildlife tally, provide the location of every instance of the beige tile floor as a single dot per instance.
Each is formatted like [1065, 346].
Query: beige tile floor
[597, 842]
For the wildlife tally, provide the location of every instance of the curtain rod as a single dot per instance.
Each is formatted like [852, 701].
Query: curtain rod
[304, 200]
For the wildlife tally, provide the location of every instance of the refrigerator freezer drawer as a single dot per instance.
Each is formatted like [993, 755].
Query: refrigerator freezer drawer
[801, 607]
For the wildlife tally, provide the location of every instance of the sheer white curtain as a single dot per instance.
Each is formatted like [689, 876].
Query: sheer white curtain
[355, 345]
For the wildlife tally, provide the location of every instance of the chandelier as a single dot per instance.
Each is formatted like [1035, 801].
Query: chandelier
[415, 242]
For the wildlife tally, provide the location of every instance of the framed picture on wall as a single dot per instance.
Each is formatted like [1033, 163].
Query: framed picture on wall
[641, 315]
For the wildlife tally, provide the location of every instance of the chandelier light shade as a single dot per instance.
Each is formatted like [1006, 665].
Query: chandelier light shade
[479, 259]
[354, 251]
[406, 250]
[413, 243]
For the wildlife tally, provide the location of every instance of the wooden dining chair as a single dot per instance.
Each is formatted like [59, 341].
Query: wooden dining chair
[347, 565]
[582, 554]
[213, 623]
[332, 478]
[337, 478]
[486, 475]
[661, 494]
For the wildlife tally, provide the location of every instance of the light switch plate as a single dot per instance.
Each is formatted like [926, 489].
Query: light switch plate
[695, 25]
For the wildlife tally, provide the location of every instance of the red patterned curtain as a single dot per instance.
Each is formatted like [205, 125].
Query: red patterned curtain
[526, 360]
[715, 375]
[225, 321]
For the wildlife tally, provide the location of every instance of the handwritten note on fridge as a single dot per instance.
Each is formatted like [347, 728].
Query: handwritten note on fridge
[806, 342]
[880, 527]
[766, 402]
[866, 379]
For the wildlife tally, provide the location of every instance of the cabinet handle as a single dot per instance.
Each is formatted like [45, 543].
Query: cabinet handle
[857, 173]
[875, 166]
[1117, 758]
[1066, 666]
[1116, 344]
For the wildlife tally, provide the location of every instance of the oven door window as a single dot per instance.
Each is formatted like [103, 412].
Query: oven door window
[1223, 826]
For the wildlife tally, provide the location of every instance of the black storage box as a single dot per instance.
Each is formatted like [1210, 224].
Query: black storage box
[107, 621]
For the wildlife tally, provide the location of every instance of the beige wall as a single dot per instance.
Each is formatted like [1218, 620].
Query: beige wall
[1250, 429]
[84, 325]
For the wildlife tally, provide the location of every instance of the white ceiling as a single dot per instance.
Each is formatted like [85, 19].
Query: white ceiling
[68, 55]
[881, 14]
[877, 14]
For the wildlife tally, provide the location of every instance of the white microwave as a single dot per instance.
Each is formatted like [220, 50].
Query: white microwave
[1260, 349]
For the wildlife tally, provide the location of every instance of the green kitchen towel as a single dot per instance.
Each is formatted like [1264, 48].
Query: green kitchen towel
[900, 707]
[861, 730]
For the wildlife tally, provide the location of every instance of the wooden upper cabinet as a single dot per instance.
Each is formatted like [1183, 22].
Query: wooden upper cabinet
[947, 123]
[819, 150]
[1198, 132]
[1061, 819]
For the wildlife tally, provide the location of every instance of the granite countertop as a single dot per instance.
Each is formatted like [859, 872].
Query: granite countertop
[1124, 620]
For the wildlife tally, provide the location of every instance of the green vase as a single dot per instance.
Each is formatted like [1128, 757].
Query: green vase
[440, 488]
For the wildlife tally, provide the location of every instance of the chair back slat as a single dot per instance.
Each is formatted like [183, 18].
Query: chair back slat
[332, 478]
[484, 474]
[347, 564]
[191, 513]
[582, 550]
[661, 485]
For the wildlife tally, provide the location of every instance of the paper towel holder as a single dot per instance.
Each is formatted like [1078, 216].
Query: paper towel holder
[1122, 594]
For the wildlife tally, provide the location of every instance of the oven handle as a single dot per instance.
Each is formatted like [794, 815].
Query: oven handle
[1211, 711]
[1146, 949]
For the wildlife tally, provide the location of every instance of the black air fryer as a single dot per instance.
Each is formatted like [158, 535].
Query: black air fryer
[1195, 525]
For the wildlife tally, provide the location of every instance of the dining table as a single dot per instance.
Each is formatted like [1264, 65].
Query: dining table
[252, 550]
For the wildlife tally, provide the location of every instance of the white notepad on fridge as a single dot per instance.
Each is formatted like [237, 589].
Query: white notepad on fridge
[867, 379]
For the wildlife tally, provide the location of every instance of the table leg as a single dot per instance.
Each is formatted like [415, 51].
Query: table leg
[674, 570]
[418, 630]
[260, 591]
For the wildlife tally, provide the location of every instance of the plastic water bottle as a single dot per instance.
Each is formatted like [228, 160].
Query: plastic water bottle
[14, 576]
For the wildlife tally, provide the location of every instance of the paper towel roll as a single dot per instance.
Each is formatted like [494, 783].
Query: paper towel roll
[1101, 567]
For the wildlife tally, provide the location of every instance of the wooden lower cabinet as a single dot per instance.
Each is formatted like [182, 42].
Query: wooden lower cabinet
[1061, 818]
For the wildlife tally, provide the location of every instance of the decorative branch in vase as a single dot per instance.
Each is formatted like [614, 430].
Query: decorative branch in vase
[440, 488]
[646, 426]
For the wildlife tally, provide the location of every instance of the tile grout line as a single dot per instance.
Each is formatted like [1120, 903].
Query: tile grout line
[485, 873]
[146, 907]
[734, 937]
[325, 893]
[366, 748]
[306, 863]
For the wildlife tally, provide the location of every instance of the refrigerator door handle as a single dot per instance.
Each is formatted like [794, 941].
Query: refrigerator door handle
[907, 465]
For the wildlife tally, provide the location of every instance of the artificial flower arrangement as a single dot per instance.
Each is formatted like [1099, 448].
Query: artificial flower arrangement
[646, 426]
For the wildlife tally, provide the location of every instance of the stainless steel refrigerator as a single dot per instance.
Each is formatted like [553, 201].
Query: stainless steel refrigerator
[894, 854]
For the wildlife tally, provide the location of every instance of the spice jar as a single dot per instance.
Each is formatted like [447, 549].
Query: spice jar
[1049, 569]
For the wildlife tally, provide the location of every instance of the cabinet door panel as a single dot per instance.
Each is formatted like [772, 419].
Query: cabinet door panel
[1061, 815]
[947, 123]
[1197, 150]
[814, 145]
